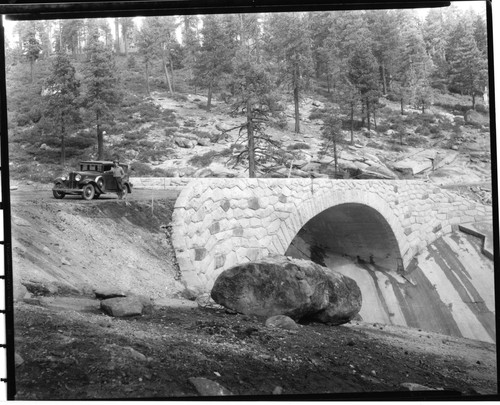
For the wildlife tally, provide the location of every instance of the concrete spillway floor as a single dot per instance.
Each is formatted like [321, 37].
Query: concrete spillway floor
[449, 289]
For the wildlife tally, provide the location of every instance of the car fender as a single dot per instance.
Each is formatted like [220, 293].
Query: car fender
[59, 180]
[84, 182]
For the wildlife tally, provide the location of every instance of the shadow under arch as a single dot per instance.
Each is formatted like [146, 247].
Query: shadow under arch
[352, 230]
[350, 223]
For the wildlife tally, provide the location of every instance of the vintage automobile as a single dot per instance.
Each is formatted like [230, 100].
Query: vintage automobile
[91, 180]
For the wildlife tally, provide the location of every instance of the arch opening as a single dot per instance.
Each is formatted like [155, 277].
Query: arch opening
[351, 230]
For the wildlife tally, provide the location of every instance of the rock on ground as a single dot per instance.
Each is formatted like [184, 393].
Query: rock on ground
[206, 387]
[122, 306]
[281, 322]
[280, 285]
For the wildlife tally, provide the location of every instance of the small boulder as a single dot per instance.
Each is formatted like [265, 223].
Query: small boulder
[281, 322]
[208, 388]
[203, 141]
[18, 359]
[473, 117]
[122, 306]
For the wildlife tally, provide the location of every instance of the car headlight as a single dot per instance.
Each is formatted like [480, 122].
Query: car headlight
[63, 178]
[78, 177]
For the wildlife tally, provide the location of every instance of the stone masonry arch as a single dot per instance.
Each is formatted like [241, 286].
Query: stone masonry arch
[329, 198]
[218, 223]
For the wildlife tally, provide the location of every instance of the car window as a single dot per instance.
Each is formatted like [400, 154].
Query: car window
[107, 167]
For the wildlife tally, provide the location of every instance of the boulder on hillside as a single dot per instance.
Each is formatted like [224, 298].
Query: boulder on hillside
[185, 143]
[280, 285]
[473, 117]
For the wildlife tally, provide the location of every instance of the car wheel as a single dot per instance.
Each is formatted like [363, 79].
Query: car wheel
[88, 192]
[58, 194]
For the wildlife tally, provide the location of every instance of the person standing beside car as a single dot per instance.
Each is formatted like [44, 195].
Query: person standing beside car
[118, 174]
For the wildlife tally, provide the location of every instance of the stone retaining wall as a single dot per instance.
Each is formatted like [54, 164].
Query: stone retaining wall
[159, 183]
[218, 223]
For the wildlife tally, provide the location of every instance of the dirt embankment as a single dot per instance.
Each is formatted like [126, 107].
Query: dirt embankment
[69, 351]
[74, 247]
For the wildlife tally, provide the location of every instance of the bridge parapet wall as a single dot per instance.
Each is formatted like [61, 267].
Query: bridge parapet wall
[218, 223]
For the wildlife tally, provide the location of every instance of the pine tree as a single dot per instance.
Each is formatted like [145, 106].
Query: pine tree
[289, 44]
[363, 74]
[332, 135]
[62, 90]
[127, 28]
[468, 66]
[147, 47]
[100, 87]
[413, 64]
[215, 56]
[32, 50]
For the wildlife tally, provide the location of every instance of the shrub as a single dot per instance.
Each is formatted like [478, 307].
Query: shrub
[170, 131]
[131, 62]
[383, 128]
[423, 130]
[413, 140]
[180, 97]
[481, 108]
[317, 114]
[81, 140]
[397, 148]
[22, 120]
[190, 123]
[299, 145]
[201, 134]
[203, 160]
[35, 114]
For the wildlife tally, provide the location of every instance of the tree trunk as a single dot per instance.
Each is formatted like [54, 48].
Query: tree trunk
[335, 156]
[209, 96]
[368, 114]
[125, 43]
[352, 123]
[374, 117]
[384, 79]
[297, 111]
[147, 79]
[165, 70]
[172, 73]
[117, 36]
[63, 143]
[31, 69]
[402, 108]
[100, 139]
[473, 101]
[251, 141]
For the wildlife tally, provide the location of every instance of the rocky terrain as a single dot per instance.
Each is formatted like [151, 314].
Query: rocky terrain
[438, 145]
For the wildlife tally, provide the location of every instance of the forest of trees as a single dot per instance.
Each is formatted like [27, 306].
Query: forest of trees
[258, 61]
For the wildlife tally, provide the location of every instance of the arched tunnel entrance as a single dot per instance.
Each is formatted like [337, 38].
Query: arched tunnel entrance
[350, 230]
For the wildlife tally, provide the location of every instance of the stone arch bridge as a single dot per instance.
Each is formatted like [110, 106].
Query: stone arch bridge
[218, 223]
